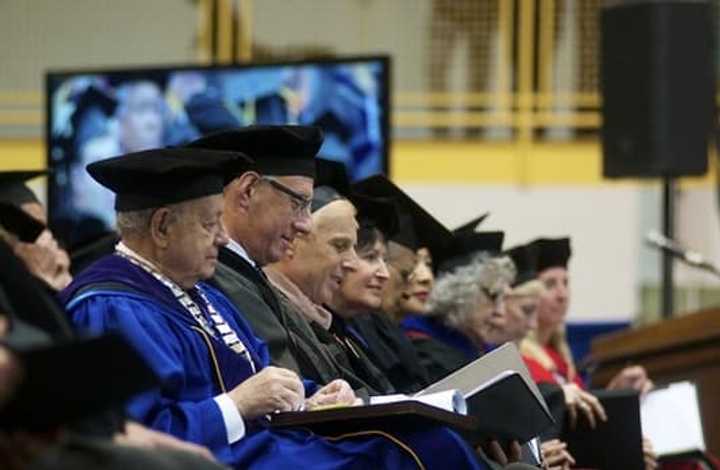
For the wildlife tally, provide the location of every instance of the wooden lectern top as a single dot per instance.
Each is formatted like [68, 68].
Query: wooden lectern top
[675, 333]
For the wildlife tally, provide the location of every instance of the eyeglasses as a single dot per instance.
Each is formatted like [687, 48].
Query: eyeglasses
[496, 297]
[300, 204]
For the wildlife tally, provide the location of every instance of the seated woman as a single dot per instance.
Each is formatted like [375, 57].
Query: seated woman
[410, 251]
[465, 305]
[520, 319]
[357, 315]
[546, 351]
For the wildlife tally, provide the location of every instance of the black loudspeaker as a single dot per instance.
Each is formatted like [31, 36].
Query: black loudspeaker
[658, 85]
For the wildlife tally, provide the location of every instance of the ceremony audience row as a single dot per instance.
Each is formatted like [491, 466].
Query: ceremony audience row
[253, 278]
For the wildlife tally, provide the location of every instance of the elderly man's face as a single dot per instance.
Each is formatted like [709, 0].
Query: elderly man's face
[328, 252]
[276, 218]
[194, 240]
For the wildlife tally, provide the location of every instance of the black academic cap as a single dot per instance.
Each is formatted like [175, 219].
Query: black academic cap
[277, 150]
[332, 183]
[471, 225]
[552, 252]
[73, 380]
[381, 212]
[465, 245]
[13, 189]
[155, 178]
[417, 228]
[20, 223]
[524, 258]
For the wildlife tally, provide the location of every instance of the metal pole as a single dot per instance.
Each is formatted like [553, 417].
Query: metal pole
[668, 259]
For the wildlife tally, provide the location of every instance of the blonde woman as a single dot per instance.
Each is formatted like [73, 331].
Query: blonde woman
[546, 350]
[550, 359]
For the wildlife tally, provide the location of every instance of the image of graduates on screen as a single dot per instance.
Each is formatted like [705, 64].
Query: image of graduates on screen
[96, 116]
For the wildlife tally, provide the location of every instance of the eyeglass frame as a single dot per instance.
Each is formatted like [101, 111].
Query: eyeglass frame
[496, 296]
[300, 204]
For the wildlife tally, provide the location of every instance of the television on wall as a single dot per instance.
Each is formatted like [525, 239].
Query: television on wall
[96, 114]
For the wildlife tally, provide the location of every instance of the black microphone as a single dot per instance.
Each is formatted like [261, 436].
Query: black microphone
[693, 258]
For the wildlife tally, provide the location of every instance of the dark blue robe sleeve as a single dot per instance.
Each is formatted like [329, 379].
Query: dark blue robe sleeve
[199, 420]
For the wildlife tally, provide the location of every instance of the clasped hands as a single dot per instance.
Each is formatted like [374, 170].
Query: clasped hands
[276, 389]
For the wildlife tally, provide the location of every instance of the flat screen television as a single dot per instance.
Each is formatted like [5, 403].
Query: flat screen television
[96, 114]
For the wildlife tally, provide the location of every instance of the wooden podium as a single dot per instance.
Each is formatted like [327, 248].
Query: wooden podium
[686, 347]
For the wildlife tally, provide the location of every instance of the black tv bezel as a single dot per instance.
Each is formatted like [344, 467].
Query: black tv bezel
[54, 75]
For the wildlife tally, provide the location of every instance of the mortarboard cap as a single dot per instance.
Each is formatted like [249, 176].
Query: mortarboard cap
[465, 245]
[378, 211]
[524, 258]
[417, 228]
[332, 183]
[13, 189]
[21, 224]
[471, 225]
[70, 381]
[155, 178]
[277, 150]
[551, 252]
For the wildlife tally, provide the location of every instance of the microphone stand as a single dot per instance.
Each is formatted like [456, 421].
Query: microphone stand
[668, 286]
[672, 249]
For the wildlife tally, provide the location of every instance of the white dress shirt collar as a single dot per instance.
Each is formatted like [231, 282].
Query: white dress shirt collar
[238, 249]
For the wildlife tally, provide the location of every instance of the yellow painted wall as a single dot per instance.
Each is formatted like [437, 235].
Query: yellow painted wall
[21, 154]
[576, 163]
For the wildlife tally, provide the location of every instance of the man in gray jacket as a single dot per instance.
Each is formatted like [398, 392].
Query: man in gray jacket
[265, 210]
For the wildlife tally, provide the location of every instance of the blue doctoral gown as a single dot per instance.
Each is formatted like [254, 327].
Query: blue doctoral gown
[114, 295]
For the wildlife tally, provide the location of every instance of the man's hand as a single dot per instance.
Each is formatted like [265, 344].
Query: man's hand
[556, 456]
[270, 390]
[634, 377]
[137, 435]
[580, 401]
[337, 392]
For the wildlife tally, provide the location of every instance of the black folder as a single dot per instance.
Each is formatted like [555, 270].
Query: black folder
[614, 444]
[513, 408]
[508, 410]
[74, 380]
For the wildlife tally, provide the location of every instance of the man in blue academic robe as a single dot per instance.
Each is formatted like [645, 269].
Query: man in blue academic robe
[215, 383]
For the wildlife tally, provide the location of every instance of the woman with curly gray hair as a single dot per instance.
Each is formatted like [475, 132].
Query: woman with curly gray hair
[466, 305]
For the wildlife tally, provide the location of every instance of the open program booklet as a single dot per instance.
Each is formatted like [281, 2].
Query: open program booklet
[495, 392]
